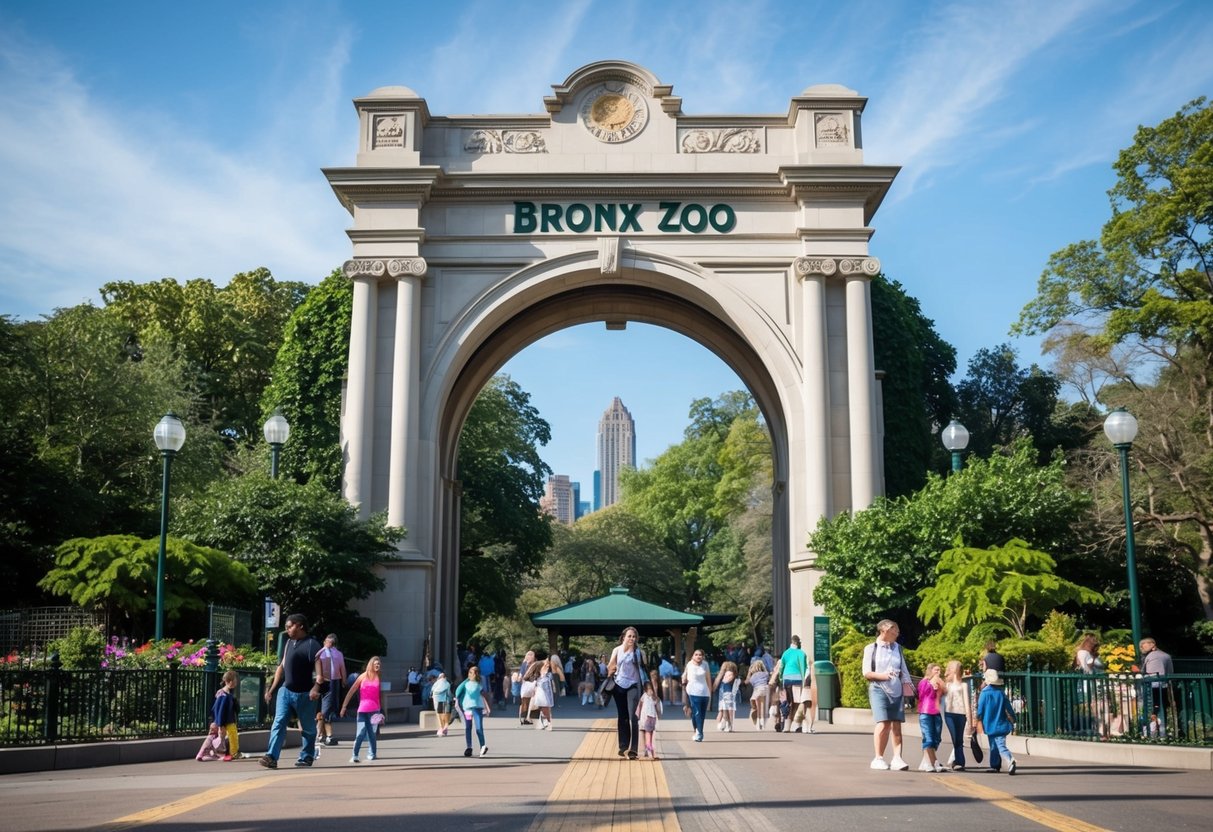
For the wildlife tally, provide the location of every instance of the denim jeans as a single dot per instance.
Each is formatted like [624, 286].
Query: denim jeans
[699, 707]
[304, 709]
[627, 724]
[932, 729]
[365, 731]
[998, 750]
[476, 721]
[956, 728]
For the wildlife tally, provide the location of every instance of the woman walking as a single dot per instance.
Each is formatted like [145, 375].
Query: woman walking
[526, 688]
[367, 686]
[627, 671]
[474, 704]
[697, 682]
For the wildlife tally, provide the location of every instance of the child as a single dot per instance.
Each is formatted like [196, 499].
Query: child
[759, 679]
[726, 706]
[212, 745]
[648, 711]
[474, 706]
[930, 719]
[997, 719]
[367, 686]
[441, 694]
[224, 711]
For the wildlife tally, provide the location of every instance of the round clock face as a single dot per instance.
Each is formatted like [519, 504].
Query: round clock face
[614, 112]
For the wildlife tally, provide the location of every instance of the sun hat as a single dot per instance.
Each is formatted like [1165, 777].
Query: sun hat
[991, 677]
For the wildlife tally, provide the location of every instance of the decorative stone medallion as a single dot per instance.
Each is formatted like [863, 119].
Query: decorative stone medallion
[614, 111]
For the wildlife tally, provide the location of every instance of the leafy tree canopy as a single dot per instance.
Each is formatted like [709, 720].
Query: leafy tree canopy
[118, 572]
[304, 545]
[306, 382]
[503, 534]
[876, 560]
[1004, 584]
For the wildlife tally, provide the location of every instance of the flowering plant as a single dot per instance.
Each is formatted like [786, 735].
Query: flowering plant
[122, 653]
[1118, 658]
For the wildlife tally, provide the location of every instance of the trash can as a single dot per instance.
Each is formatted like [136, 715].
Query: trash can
[828, 694]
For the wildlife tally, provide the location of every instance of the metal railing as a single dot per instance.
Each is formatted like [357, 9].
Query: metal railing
[1175, 709]
[53, 705]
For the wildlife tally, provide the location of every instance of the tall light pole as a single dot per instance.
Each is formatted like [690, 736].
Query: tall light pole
[955, 438]
[277, 430]
[1121, 429]
[170, 436]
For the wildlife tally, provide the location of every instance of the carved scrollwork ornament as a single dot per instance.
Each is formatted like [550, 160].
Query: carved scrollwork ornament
[406, 267]
[364, 268]
[830, 266]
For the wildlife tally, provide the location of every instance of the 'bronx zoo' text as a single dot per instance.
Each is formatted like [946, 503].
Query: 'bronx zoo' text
[676, 217]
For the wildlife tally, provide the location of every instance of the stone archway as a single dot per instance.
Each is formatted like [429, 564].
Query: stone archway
[475, 236]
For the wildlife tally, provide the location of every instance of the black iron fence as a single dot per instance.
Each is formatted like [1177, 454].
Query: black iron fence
[45, 706]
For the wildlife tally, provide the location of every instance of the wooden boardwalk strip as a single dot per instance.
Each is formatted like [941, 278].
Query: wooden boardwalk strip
[601, 791]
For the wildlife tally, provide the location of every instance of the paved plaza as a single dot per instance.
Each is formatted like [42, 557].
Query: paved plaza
[570, 778]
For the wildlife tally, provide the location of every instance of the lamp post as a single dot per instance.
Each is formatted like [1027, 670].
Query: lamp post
[170, 436]
[1121, 429]
[955, 438]
[277, 430]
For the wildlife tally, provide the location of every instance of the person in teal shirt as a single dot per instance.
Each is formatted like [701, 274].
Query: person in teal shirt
[474, 706]
[793, 673]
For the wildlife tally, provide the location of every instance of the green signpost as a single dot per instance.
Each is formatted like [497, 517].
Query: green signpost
[821, 638]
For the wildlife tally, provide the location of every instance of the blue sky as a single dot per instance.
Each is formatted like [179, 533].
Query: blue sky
[140, 140]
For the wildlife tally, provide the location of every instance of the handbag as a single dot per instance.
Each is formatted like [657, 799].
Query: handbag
[975, 747]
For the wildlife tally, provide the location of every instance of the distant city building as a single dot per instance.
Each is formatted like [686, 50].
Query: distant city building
[584, 508]
[576, 500]
[616, 449]
[597, 504]
[557, 499]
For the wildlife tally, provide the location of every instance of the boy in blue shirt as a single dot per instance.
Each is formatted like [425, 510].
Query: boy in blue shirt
[997, 719]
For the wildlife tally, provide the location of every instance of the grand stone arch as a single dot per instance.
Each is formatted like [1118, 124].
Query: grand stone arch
[474, 236]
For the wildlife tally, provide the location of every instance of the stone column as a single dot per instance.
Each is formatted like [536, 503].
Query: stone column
[406, 381]
[360, 388]
[815, 387]
[861, 378]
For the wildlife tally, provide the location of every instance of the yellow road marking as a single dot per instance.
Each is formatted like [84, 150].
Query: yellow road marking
[1011, 803]
[188, 804]
[598, 791]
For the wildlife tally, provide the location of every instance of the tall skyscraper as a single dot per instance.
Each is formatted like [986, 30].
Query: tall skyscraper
[557, 499]
[616, 449]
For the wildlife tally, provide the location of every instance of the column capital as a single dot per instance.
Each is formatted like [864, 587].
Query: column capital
[390, 266]
[830, 266]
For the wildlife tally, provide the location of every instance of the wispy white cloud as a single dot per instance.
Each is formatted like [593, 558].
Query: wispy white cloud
[957, 65]
[95, 194]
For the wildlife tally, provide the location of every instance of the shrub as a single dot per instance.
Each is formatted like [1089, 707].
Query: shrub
[80, 649]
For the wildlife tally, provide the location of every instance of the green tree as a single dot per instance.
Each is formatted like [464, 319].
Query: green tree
[1141, 297]
[118, 572]
[611, 547]
[228, 336]
[677, 493]
[304, 545]
[876, 560]
[1004, 584]
[999, 402]
[306, 381]
[736, 574]
[502, 532]
[917, 393]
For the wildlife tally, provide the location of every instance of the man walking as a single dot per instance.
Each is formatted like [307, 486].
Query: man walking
[298, 681]
[1155, 662]
[330, 704]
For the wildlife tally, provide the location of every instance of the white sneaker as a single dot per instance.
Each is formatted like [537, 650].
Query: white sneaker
[370, 758]
[898, 764]
[698, 737]
[719, 726]
[484, 749]
[694, 736]
[925, 765]
[879, 764]
[940, 766]
[354, 760]
[728, 729]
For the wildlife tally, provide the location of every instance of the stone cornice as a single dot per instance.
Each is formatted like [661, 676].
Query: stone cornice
[842, 266]
[397, 267]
